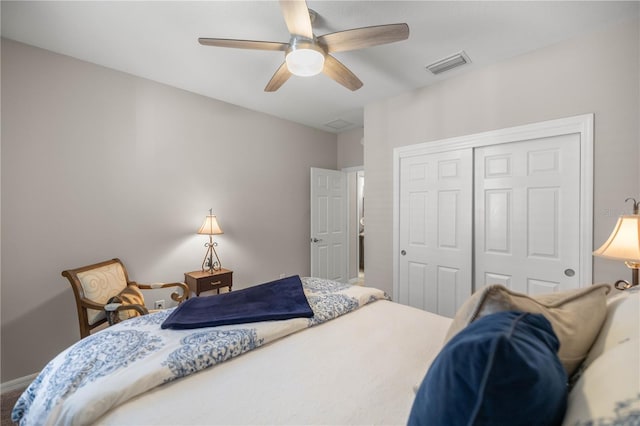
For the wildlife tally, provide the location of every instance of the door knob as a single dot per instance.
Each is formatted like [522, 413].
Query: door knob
[569, 272]
[403, 252]
[316, 240]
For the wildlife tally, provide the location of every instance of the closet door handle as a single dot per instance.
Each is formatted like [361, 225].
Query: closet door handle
[403, 252]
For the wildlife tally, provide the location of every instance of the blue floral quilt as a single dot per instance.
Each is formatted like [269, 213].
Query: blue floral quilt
[114, 365]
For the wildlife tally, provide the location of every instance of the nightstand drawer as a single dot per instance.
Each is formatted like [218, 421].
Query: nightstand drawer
[199, 281]
[214, 283]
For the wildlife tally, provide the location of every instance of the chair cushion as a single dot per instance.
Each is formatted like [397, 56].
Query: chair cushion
[130, 295]
[575, 315]
[101, 284]
[500, 370]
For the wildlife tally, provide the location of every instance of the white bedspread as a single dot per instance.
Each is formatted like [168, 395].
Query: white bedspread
[113, 366]
[359, 369]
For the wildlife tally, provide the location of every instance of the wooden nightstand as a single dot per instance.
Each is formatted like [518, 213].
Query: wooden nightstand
[199, 281]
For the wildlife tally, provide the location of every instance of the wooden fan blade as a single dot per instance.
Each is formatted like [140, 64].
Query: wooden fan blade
[296, 16]
[243, 44]
[334, 69]
[281, 75]
[359, 38]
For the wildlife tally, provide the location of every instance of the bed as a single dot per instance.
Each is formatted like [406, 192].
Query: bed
[360, 365]
[357, 366]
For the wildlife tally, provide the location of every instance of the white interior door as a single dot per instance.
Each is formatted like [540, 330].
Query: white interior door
[527, 214]
[329, 252]
[435, 231]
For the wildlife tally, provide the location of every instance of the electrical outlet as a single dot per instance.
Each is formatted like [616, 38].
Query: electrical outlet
[159, 304]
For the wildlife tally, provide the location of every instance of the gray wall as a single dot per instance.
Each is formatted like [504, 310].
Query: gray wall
[350, 150]
[598, 73]
[99, 164]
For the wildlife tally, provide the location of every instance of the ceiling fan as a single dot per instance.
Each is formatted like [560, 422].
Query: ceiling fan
[306, 54]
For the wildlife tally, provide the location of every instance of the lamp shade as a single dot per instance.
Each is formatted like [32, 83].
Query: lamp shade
[210, 226]
[624, 241]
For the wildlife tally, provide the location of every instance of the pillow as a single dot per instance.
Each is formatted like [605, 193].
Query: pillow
[608, 391]
[500, 370]
[575, 315]
[130, 295]
[622, 323]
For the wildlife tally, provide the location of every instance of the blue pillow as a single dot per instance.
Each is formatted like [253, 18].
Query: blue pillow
[502, 369]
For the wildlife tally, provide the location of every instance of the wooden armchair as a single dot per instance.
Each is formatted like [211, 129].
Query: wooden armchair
[94, 285]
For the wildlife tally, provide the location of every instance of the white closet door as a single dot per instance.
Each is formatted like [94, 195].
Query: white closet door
[527, 205]
[435, 231]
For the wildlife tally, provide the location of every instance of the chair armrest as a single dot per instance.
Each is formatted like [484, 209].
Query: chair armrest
[110, 307]
[175, 295]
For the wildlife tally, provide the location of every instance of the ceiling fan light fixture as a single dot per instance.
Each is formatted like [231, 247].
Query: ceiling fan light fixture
[308, 55]
[305, 62]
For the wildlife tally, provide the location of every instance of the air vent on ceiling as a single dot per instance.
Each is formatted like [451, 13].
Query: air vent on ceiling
[338, 124]
[449, 63]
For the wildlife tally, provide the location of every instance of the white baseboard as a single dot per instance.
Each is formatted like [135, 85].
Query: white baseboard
[19, 383]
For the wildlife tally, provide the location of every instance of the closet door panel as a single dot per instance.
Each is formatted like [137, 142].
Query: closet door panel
[435, 231]
[543, 222]
[497, 223]
[527, 202]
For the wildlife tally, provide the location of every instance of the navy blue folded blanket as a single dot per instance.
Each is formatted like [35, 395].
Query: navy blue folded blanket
[275, 300]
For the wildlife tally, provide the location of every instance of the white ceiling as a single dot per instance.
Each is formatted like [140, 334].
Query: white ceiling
[158, 41]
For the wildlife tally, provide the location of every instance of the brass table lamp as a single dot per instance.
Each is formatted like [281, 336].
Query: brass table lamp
[624, 244]
[211, 227]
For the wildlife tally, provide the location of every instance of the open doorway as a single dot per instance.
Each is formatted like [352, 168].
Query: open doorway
[356, 224]
[360, 222]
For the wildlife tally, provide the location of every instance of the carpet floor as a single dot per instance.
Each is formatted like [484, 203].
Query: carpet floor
[7, 401]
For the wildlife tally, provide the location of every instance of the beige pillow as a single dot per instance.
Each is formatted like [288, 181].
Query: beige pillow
[575, 315]
[130, 295]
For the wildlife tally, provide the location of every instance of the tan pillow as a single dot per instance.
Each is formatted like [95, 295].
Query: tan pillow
[130, 295]
[575, 315]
